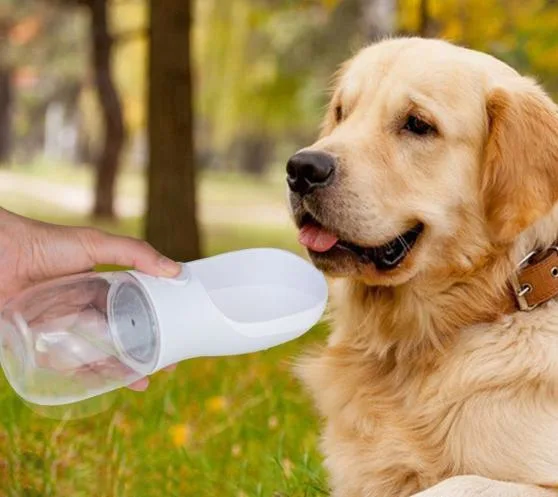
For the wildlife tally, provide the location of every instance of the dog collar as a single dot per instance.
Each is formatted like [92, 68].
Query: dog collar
[536, 279]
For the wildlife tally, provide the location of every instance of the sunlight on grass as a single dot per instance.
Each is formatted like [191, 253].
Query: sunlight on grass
[238, 426]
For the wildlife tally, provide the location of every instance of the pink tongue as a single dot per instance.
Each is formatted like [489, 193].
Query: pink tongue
[316, 238]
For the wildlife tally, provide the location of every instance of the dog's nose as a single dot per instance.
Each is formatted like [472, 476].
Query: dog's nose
[307, 171]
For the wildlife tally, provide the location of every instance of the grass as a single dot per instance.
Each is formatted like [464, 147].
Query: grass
[238, 426]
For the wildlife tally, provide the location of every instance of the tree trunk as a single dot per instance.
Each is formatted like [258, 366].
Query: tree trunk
[256, 152]
[111, 108]
[6, 102]
[378, 18]
[426, 28]
[171, 215]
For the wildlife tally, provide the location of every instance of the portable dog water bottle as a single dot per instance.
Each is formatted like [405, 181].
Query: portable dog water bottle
[78, 337]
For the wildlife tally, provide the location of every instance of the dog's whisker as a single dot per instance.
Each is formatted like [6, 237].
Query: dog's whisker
[406, 246]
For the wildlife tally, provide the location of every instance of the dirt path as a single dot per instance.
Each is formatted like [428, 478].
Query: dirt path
[79, 199]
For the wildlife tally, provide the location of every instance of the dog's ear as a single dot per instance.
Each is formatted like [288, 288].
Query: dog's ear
[520, 171]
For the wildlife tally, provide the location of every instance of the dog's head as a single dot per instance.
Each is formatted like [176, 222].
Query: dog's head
[431, 157]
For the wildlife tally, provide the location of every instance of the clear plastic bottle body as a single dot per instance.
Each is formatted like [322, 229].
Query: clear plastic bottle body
[79, 337]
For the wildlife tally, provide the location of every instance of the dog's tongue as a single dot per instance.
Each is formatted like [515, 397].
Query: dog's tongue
[316, 238]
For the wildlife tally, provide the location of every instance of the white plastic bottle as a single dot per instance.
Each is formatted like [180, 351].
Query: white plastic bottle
[79, 337]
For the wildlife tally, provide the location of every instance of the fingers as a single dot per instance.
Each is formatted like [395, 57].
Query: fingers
[124, 251]
[143, 384]
[140, 385]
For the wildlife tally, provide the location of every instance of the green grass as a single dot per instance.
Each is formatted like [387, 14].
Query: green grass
[238, 426]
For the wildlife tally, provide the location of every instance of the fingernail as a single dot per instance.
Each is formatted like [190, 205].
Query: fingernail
[169, 267]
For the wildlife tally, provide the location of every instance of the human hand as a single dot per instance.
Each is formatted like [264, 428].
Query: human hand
[32, 252]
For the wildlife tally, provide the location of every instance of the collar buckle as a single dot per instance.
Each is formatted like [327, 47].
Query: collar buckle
[520, 289]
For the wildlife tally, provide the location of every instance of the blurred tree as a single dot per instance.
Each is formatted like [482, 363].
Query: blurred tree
[426, 27]
[45, 50]
[171, 214]
[263, 65]
[114, 130]
[130, 28]
[114, 133]
[16, 26]
[523, 33]
[379, 17]
[6, 100]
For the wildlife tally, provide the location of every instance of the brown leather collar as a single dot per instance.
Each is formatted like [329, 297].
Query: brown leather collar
[536, 279]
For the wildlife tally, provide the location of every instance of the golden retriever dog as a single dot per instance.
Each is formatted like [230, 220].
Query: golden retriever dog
[435, 177]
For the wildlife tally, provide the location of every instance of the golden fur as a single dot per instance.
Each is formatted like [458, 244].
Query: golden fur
[426, 384]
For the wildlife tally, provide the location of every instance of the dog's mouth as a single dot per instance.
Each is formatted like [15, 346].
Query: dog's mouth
[320, 241]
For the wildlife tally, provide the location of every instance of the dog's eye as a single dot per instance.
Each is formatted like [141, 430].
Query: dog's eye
[338, 114]
[418, 126]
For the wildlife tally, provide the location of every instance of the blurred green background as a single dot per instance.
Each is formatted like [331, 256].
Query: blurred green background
[92, 133]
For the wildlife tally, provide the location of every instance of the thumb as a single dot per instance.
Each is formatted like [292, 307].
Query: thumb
[104, 248]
